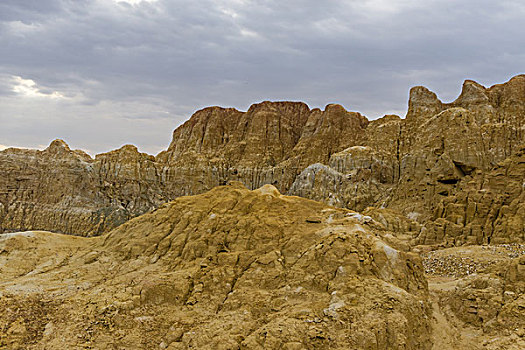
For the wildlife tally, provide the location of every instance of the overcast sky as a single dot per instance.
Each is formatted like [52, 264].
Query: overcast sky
[103, 73]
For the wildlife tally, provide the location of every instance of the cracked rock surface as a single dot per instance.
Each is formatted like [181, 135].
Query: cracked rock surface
[228, 269]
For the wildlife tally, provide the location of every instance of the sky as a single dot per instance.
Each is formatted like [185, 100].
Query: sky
[103, 73]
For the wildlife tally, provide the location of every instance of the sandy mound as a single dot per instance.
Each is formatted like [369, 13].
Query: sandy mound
[229, 269]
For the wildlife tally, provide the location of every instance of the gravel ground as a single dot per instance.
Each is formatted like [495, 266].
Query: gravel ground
[513, 250]
[464, 261]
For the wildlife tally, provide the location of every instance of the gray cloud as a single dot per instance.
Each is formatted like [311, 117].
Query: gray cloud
[107, 73]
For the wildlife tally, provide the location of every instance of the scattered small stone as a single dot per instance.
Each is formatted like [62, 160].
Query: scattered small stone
[457, 266]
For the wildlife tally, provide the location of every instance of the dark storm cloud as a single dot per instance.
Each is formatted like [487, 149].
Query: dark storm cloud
[102, 73]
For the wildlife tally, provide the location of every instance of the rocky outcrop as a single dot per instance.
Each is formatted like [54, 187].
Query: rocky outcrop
[68, 191]
[227, 269]
[431, 166]
[355, 178]
[269, 144]
[434, 166]
[485, 208]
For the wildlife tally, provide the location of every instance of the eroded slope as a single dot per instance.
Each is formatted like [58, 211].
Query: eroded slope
[230, 268]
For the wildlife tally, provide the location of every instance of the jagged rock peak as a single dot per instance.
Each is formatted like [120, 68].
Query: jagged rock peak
[390, 117]
[129, 148]
[421, 96]
[211, 109]
[334, 107]
[59, 149]
[58, 146]
[514, 81]
[261, 106]
[472, 93]
[422, 103]
[267, 128]
[125, 152]
[511, 92]
[473, 83]
[122, 149]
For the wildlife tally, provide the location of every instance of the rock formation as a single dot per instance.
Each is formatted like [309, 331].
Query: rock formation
[426, 165]
[409, 236]
[227, 269]
[269, 144]
[485, 208]
[239, 269]
[67, 191]
[431, 167]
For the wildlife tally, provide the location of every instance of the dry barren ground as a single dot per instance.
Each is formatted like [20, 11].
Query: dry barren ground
[240, 269]
[477, 296]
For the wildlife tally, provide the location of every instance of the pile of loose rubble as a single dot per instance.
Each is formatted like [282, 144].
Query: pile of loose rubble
[465, 261]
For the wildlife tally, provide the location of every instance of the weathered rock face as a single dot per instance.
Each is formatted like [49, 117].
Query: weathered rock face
[497, 110]
[67, 191]
[440, 143]
[227, 269]
[485, 208]
[269, 144]
[420, 166]
[355, 178]
[432, 166]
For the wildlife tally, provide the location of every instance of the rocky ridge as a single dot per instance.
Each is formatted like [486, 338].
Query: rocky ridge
[444, 166]
[65, 190]
[433, 259]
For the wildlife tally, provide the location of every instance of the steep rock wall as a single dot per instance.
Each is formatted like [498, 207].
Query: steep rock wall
[419, 166]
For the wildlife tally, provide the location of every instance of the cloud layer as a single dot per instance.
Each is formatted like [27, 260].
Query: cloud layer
[101, 73]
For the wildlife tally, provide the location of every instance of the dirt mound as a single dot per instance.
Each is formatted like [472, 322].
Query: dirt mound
[230, 268]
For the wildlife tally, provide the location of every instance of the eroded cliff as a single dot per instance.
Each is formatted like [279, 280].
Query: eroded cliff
[438, 166]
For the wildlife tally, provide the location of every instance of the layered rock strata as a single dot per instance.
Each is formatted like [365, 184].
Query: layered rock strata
[62, 190]
[433, 167]
[485, 208]
[455, 168]
[67, 191]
